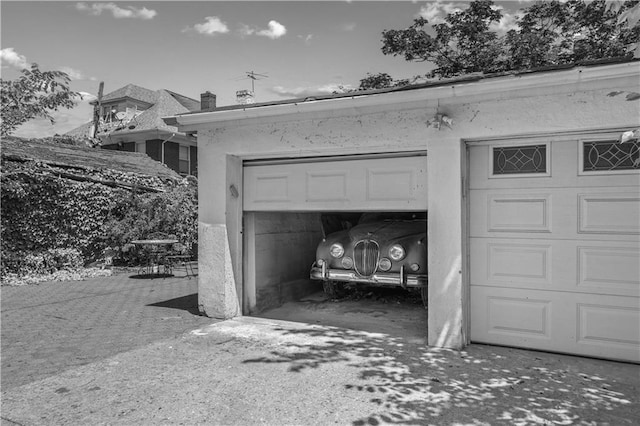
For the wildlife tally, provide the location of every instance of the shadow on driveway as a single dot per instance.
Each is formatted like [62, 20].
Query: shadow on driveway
[412, 384]
[187, 303]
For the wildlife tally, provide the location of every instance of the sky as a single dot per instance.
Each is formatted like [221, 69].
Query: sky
[300, 48]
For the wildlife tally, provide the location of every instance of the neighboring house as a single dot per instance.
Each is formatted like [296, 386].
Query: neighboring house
[534, 213]
[131, 120]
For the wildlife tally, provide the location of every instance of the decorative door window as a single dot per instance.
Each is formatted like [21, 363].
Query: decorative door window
[520, 160]
[610, 156]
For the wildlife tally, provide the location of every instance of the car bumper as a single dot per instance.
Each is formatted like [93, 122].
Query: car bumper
[380, 278]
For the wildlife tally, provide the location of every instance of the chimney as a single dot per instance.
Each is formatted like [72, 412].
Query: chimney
[207, 101]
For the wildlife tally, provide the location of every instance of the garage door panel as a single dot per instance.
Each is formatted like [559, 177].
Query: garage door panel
[599, 325]
[327, 186]
[609, 213]
[596, 267]
[514, 213]
[529, 319]
[518, 213]
[512, 316]
[609, 269]
[512, 263]
[517, 316]
[273, 187]
[556, 213]
[390, 183]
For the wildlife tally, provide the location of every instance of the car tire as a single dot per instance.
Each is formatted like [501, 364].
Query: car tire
[424, 294]
[333, 289]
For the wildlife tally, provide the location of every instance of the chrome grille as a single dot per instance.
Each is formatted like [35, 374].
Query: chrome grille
[365, 257]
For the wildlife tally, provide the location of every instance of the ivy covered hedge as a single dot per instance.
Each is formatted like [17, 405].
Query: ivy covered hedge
[54, 218]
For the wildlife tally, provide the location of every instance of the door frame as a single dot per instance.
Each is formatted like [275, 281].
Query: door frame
[246, 279]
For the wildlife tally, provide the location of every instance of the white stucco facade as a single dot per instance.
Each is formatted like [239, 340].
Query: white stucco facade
[595, 99]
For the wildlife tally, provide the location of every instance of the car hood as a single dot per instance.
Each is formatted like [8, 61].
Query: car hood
[387, 230]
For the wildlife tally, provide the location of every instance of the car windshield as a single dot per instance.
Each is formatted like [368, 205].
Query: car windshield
[392, 217]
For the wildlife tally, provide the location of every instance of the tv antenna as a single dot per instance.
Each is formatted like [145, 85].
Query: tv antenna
[254, 76]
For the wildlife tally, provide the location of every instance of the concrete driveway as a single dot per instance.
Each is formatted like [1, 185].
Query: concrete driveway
[250, 371]
[50, 327]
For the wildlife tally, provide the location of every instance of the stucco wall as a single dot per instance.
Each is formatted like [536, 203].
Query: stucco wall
[529, 105]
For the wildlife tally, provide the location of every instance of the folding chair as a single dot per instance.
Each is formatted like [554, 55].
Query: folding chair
[180, 258]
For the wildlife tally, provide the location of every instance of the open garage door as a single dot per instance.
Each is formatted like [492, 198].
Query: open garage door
[554, 245]
[285, 202]
[354, 183]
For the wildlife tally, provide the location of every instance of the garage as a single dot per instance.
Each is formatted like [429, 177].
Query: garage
[553, 244]
[541, 255]
[284, 201]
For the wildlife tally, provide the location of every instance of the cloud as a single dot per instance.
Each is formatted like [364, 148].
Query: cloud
[212, 26]
[13, 59]
[349, 26]
[117, 11]
[73, 73]
[435, 12]
[88, 97]
[507, 22]
[306, 39]
[65, 120]
[302, 92]
[275, 30]
[246, 30]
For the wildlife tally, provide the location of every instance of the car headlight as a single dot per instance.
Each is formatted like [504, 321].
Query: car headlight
[347, 262]
[336, 250]
[396, 252]
[384, 264]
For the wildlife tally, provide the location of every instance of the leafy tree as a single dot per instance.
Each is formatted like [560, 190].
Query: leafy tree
[463, 44]
[380, 81]
[34, 94]
[548, 33]
[552, 33]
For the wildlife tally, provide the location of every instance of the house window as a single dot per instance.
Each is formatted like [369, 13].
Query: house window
[183, 166]
[141, 147]
[109, 112]
[610, 156]
[522, 160]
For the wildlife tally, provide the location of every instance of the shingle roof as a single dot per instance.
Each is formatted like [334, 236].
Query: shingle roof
[14, 148]
[131, 91]
[188, 103]
[81, 131]
[165, 105]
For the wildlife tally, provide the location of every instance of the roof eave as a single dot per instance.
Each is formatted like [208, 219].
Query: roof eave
[472, 86]
[120, 99]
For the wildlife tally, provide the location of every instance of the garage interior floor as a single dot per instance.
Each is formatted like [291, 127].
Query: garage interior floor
[390, 311]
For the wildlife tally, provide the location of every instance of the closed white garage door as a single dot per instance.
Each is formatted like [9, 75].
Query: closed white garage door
[554, 245]
[354, 183]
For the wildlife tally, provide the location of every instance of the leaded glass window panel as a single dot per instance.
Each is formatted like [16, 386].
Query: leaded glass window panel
[610, 156]
[525, 159]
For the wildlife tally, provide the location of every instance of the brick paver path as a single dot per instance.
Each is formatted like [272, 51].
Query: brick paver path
[50, 327]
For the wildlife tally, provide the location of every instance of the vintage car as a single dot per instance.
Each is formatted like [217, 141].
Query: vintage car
[382, 249]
